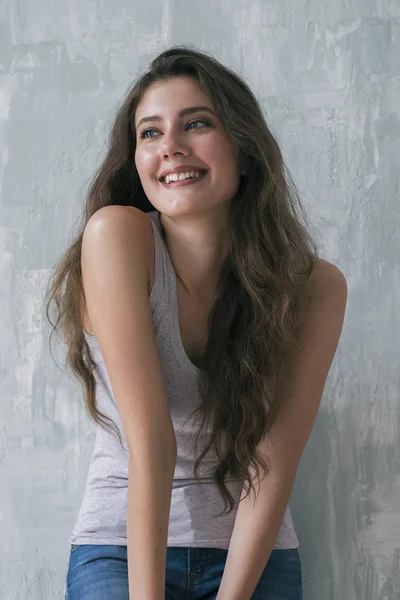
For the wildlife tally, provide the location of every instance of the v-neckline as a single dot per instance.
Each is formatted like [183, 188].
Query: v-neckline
[175, 325]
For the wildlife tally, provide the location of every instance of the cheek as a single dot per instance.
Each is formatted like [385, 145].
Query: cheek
[145, 164]
[225, 157]
[220, 149]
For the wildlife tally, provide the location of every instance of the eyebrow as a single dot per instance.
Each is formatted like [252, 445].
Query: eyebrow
[183, 112]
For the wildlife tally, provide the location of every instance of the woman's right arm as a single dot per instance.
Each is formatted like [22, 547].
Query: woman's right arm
[115, 271]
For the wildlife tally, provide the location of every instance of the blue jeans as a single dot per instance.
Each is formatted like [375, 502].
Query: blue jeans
[98, 572]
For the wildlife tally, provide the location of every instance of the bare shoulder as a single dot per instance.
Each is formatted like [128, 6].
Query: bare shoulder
[326, 284]
[128, 224]
[122, 217]
[117, 244]
[327, 277]
[325, 293]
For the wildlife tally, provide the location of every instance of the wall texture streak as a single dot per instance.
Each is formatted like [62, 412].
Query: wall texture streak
[328, 77]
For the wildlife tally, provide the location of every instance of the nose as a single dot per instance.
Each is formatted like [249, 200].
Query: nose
[173, 143]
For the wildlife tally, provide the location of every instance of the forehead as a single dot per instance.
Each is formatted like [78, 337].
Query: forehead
[170, 96]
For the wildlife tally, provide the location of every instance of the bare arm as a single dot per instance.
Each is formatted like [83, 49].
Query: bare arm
[149, 502]
[256, 528]
[115, 275]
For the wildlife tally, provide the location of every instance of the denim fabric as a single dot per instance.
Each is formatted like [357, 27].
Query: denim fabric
[99, 572]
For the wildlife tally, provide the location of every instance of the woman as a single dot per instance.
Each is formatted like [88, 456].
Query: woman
[193, 292]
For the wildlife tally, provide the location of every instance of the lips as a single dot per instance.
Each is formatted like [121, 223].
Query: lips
[181, 169]
[185, 181]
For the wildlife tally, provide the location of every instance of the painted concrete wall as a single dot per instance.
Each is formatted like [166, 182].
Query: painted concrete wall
[329, 79]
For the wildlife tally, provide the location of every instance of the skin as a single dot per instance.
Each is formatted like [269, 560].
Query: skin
[194, 217]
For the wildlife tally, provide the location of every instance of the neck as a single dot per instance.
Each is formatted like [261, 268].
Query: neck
[198, 247]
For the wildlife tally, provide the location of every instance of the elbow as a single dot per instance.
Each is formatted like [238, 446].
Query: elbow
[157, 449]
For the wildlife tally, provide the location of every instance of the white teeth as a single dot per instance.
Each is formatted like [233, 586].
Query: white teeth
[181, 176]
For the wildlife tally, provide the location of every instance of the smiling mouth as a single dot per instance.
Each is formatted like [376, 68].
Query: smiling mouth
[194, 176]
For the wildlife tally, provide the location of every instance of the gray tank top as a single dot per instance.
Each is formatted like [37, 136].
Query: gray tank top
[195, 506]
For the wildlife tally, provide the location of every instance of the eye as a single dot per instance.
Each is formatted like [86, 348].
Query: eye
[198, 121]
[143, 134]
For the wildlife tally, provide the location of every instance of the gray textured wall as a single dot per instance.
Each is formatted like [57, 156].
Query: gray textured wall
[328, 76]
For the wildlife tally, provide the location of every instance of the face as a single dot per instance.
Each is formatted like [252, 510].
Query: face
[178, 129]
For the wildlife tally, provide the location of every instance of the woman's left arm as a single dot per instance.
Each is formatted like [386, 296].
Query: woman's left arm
[258, 522]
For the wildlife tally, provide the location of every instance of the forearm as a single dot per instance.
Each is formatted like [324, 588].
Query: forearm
[148, 511]
[253, 538]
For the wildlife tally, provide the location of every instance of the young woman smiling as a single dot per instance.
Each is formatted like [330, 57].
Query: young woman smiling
[202, 325]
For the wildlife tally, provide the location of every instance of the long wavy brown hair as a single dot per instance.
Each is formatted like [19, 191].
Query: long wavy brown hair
[254, 323]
